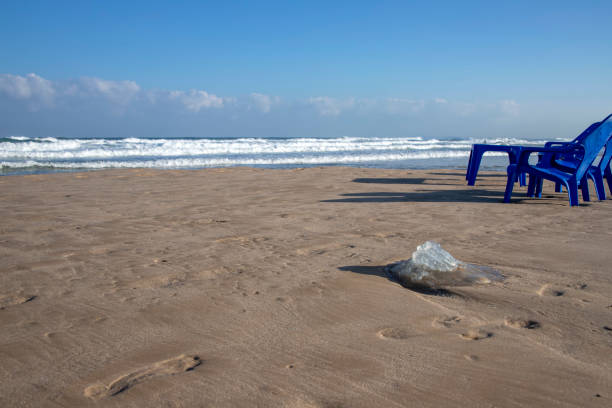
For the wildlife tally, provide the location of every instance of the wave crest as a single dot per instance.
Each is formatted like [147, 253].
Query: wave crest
[20, 152]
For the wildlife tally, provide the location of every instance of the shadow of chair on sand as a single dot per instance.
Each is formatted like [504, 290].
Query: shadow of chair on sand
[449, 173]
[426, 196]
[452, 195]
[404, 180]
[415, 180]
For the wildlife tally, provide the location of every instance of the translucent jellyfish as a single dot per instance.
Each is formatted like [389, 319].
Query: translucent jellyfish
[431, 267]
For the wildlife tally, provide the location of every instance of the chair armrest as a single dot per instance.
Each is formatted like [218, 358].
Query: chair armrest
[565, 148]
[551, 156]
[551, 144]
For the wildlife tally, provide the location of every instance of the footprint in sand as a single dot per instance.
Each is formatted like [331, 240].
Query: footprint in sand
[13, 300]
[521, 323]
[395, 333]
[446, 321]
[549, 290]
[164, 368]
[476, 334]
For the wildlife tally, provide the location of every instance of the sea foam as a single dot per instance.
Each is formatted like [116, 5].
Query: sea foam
[21, 152]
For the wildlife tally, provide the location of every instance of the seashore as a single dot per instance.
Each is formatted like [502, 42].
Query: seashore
[252, 287]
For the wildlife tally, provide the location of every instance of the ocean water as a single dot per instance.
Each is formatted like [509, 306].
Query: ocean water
[22, 155]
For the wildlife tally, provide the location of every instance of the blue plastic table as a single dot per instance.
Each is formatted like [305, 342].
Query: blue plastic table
[476, 156]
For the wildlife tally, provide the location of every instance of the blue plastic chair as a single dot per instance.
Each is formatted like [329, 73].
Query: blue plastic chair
[514, 151]
[581, 153]
[567, 163]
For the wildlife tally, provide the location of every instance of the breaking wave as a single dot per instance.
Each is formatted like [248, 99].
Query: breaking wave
[49, 153]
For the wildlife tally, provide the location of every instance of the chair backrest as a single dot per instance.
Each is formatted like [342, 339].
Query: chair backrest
[592, 143]
[586, 132]
[577, 156]
[607, 156]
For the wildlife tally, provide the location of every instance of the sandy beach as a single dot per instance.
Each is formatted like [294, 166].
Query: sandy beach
[246, 287]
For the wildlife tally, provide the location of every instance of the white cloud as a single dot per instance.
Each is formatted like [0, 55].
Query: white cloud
[39, 92]
[98, 96]
[32, 88]
[194, 100]
[263, 102]
[401, 106]
[328, 106]
[120, 92]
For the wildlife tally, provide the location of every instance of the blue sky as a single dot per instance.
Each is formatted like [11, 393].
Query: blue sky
[435, 69]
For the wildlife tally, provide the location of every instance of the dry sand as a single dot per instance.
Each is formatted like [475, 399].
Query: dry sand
[248, 287]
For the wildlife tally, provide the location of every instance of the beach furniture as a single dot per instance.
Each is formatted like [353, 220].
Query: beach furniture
[567, 164]
[597, 173]
[514, 151]
[479, 149]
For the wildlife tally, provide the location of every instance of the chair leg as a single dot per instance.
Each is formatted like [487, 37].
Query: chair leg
[538, 190]
[558, 188]
[469, 166]
[523, 179]
[599, 185]
[531, 186]
[572, 191]
[608, 176]
[510, 183]
[584, 187]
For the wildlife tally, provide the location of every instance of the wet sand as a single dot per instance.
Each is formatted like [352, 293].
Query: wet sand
[249, 287]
